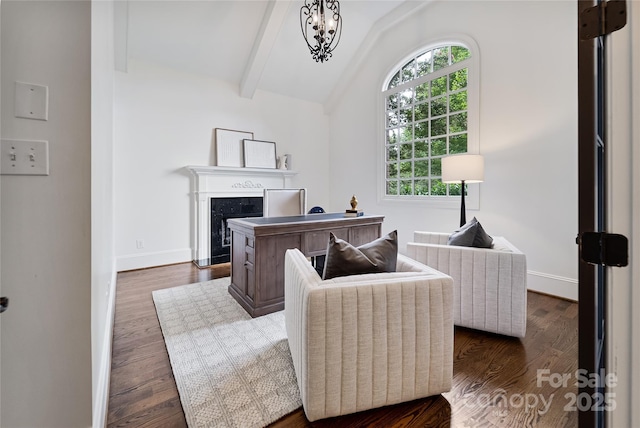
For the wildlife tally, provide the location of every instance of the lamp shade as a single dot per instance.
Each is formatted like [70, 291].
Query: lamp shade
[459, 168]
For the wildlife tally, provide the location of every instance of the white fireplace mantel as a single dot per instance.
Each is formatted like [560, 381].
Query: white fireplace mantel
[226, 182]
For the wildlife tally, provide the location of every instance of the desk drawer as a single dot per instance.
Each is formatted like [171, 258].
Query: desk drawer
[250, 255]
[317, 241]
[364, 234]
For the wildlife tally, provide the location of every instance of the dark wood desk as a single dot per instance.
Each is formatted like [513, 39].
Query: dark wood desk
[258, 246]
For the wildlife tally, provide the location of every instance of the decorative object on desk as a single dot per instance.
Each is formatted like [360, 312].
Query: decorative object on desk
[229, 147]
[282, 162]
[463, 169]
[354, 211]
[259, 154]
[316, 210]
[321, 26]
[353, 202]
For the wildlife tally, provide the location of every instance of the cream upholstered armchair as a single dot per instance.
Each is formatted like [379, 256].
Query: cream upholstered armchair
[490, 284]
[370, 340]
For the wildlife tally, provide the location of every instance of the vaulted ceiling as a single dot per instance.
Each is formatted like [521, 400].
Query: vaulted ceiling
[257, 45]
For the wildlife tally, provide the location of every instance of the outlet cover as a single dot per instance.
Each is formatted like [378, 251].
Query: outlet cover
[31, 101]
[24, 157]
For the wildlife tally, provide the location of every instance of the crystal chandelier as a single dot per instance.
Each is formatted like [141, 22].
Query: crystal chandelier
[321, 25]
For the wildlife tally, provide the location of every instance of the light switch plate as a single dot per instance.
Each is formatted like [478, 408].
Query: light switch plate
[31, 101]
[24, 157]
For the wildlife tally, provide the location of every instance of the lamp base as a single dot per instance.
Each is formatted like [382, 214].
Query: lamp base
[463, 216]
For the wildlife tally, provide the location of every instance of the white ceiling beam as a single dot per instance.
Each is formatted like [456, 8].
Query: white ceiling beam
[265, 39]
[377, 29]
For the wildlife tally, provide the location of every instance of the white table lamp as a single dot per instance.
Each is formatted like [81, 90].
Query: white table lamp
[463, 169]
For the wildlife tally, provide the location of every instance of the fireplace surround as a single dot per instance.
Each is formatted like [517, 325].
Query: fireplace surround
[213, 182]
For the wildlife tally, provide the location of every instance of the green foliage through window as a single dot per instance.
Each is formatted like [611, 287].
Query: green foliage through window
[426, 118]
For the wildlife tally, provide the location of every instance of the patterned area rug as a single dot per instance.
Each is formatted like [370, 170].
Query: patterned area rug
[231, 370]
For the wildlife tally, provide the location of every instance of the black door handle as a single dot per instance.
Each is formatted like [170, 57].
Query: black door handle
[4, 304]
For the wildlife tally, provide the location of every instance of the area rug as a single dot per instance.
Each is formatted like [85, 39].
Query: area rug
[231, 370]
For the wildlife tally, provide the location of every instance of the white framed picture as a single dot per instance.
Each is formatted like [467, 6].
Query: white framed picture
[229, 147]
[259, 154]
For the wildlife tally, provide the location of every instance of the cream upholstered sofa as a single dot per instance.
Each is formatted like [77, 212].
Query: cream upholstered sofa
[370, 340]
[490, 284]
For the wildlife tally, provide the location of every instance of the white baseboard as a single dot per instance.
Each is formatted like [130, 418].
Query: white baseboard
[101, 402]
[145, 260]
[560, 286]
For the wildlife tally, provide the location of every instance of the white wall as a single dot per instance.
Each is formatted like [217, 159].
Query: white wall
[528, 130]
[164, 120]
[103, 273]
[46, 221]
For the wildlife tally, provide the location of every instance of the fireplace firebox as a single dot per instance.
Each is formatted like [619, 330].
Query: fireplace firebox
[223, 209]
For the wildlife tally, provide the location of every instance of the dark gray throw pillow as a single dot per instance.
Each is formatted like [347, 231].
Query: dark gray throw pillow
[482, 239]
[472, 234]
[345, 259]
[464, 236]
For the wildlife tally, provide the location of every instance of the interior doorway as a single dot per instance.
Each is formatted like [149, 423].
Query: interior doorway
[605, 159]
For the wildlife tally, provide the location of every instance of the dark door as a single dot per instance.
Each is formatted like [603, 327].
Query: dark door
[592, 199]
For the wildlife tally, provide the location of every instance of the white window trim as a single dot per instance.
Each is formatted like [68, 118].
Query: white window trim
[472, 198]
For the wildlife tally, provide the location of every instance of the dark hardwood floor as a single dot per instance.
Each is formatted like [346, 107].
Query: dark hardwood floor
[496, 380]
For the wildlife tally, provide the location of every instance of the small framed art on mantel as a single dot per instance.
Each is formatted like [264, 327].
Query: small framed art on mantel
[229, 147]
[259, 154]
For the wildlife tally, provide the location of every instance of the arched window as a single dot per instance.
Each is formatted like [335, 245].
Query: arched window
[426, 116]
